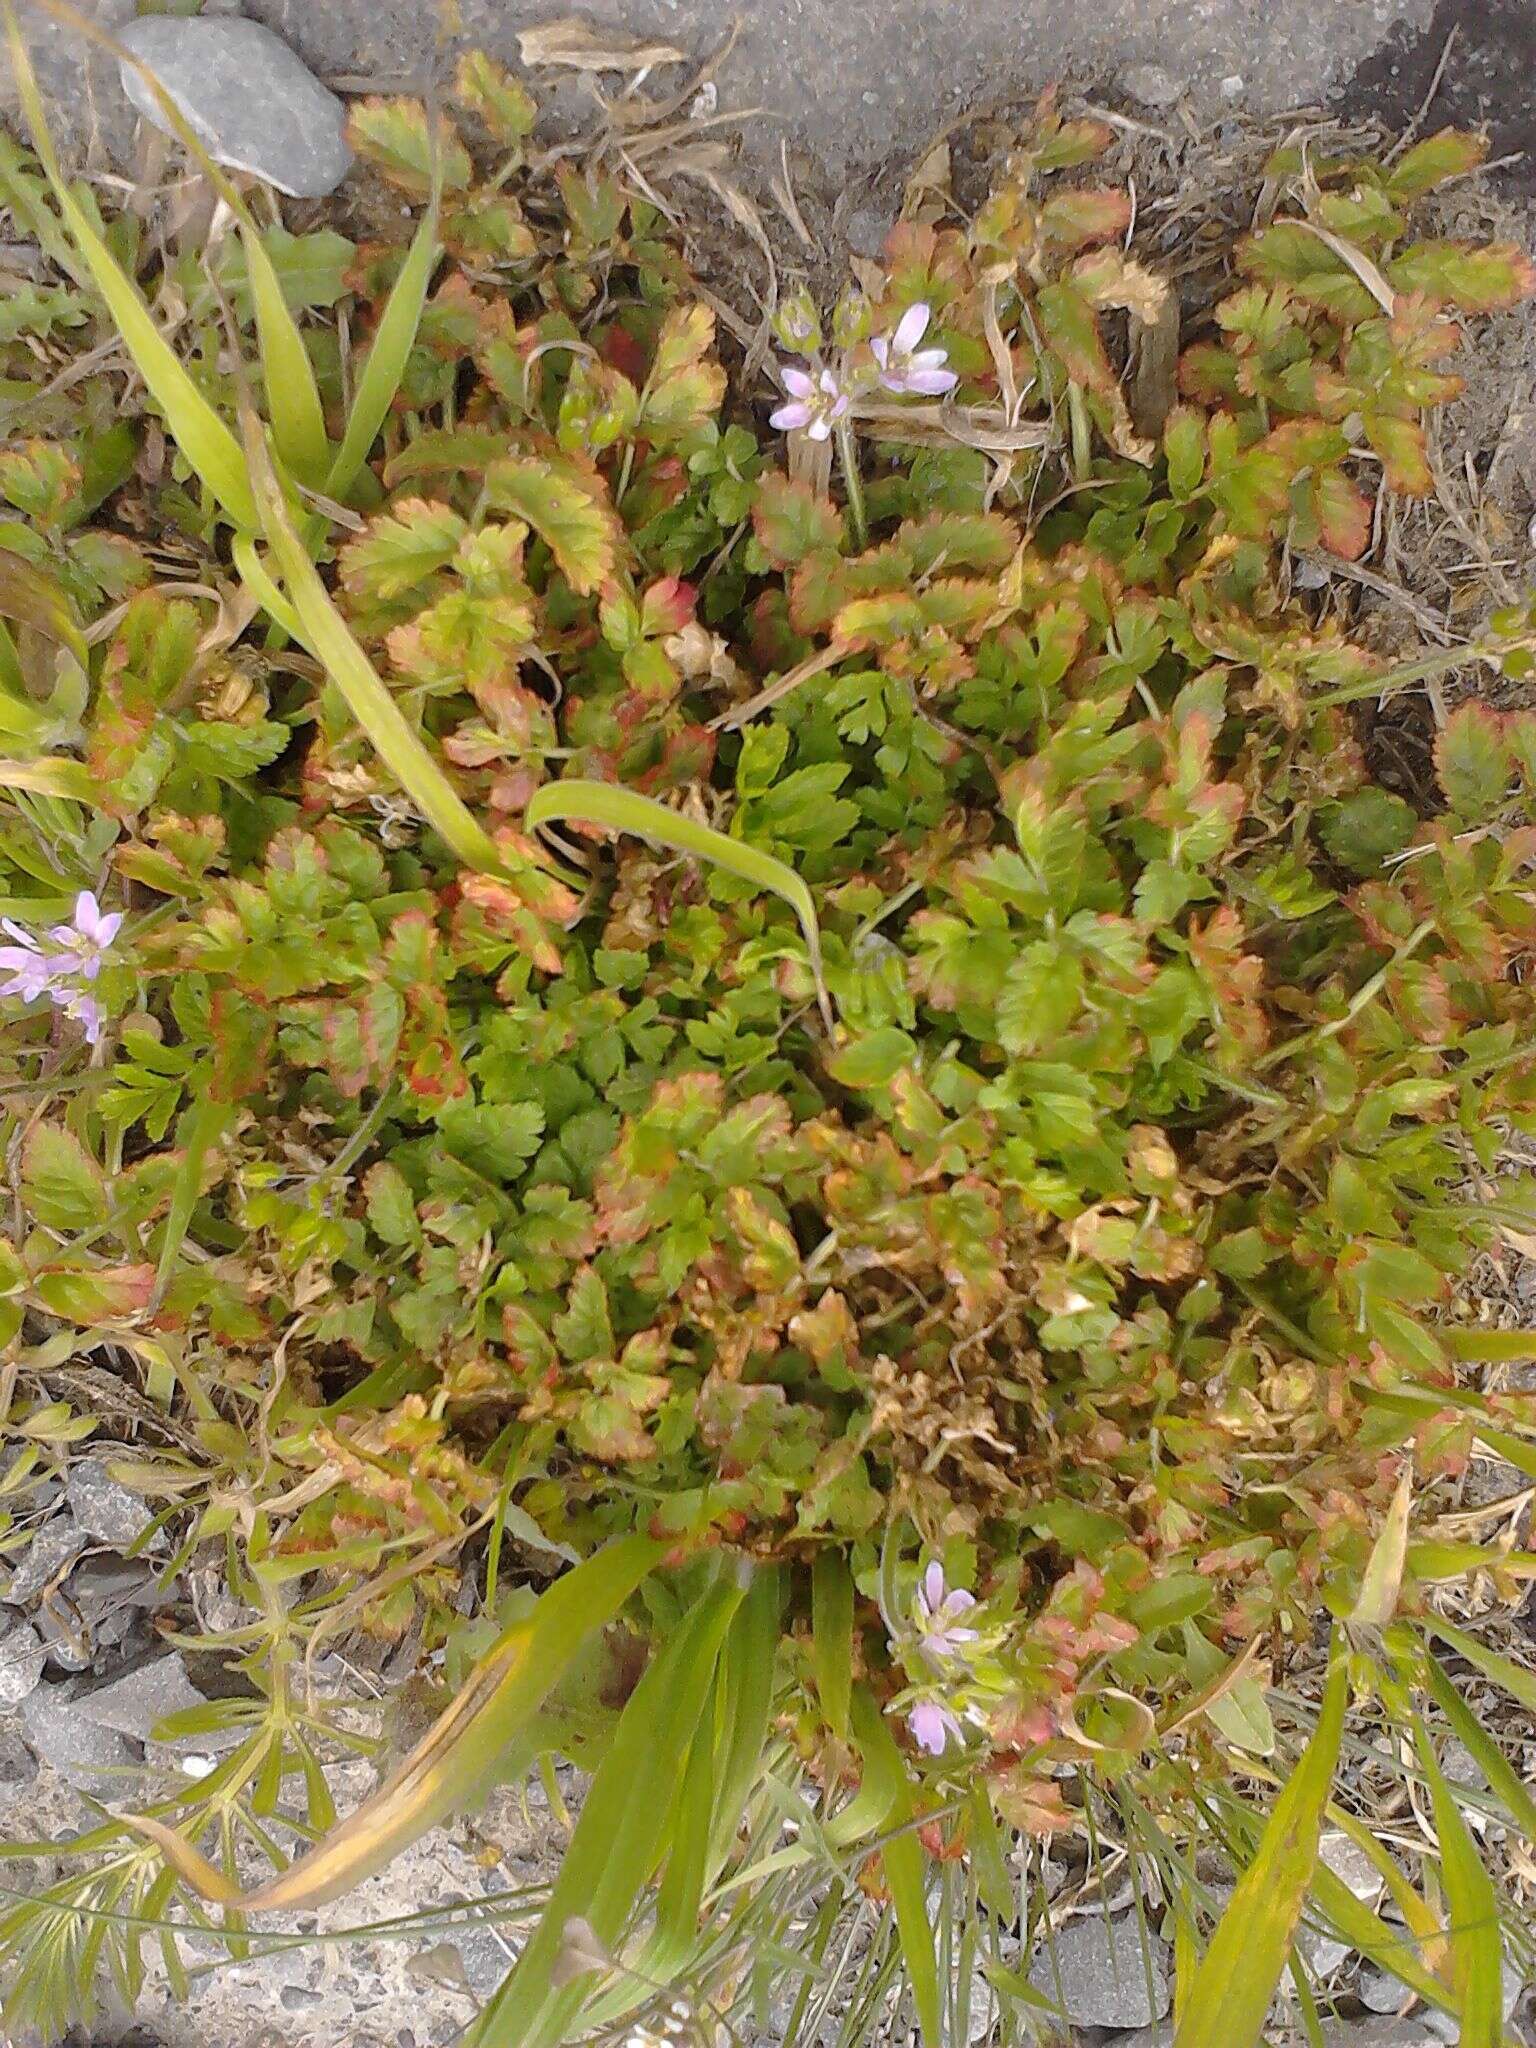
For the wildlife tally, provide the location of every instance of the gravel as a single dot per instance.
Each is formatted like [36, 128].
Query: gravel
[22, 1656]
[50, 1553]
[252, 103]
[1104, 1972]
[103, 1507]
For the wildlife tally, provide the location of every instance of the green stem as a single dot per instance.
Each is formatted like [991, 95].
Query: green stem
[1365, 994]
[848, 456]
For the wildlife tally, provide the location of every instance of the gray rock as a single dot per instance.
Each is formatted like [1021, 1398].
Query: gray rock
[1381, 1992]
[251, 102]
[94, 1758]
[1443, 2026]
[1104, 1973]
[65, 1642]
[132, 1705]
[52, 1550]
[1152, 85]
[1377, 2034]
[1323, 1954]
[104, 1508]
[22, 1657]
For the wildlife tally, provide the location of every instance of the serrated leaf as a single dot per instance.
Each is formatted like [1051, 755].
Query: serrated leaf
[393, 136]
[1404, 452]
[1487, 278]
[1075, 220]
[1474, 760]
[1365, 829]
[568, 507]
[63, 1186]
[503, 103]
[402, 547]
[1451, 154]
[792, 522]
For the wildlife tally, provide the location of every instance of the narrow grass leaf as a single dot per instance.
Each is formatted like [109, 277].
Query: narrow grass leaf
[57, 777]
[623, 810]
[196, 428]
[456, 1756]
[832, 1639]
[751, 1656]
[288, 375]
[1435, 1562]
[1512, 1678]
[1504, 1781]
[622, 1833]
[199, 1130]
[1392, 1948]
[903, 1861]
[392, 344]
[1230, 1997]
[1381, 1584]
[1472, 1906]
[322, 628]
[258, 581]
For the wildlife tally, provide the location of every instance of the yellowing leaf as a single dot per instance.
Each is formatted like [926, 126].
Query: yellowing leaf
[392, 135]
[401, 548]
[1229, 2000]
[503, 103]
[567, 506]
[457, 1755]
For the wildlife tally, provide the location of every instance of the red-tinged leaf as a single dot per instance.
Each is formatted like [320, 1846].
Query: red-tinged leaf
[401, 548]
[452, 451]
[1072, 330]
[1209, 374]
[393, 136]
[242, 1032]
[957, 540]
[1479, 280]
[683, 389]
[666, 607]
[1076, 220]
[1072, 144]
[1404, 452]
[1451, 154]
[1474, 760]
[492, 226]
[41, 478]
[100, 1294]
[791, 522]
[1343, 514]
[503, 104]
[568, 506]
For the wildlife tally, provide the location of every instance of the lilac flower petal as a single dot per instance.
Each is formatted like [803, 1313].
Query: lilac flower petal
[932, 1596]
[932, 1726]
[796, 382]
[930, 383]
[880, 349]
[109, 928]
[957, 1602]
[820, 428]
[19, 932]
[796, 414]
[911, 327]
[88, 916]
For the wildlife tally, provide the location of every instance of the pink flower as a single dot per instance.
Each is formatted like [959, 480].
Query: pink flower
[939, 1608]
[904, 367]
[816, 402]
[933, 1727]
[64, 963]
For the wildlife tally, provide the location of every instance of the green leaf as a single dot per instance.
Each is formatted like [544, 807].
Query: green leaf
[902, 1856]
[567, 506]
[401, 548]
[1472, 1906]
[1451, 154]
[1489, 278]
[503, 103]
[393, 136]
[832, 1639]
[375, 389]
[623, 810]
[458, 1755]
[1504, 1781]
[288, 376]
[1474, 760]
[620, 1838]
[203, 438]
[63, 1186]
[1363, 830]
[1229, 2000]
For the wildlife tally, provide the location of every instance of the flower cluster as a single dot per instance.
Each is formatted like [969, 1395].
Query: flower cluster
[943, 1641]
[64, 963]
[819, 398]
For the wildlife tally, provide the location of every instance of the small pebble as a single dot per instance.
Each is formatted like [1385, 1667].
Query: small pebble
[251, 101]
[1152, 85]
[1234, 86]
[103, 1507]
[47, 1557]
[22, 1657]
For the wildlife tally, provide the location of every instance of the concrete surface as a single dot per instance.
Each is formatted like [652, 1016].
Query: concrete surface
[850, 83]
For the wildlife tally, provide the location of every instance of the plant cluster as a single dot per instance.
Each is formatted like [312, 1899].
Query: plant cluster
[570, 982]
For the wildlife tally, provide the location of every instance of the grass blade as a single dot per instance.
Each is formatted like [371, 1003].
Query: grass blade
[200, 1128]
[622, 810]
[385, 366]
[622, 1833]
[1229, 1999]
[458, 1753]
[1504, 1781]
[902, 1859]
[322, 628]
[751, 1653]
[1513, 1678]
[1472, 1907]
[293, 397]
[57, 777]
[196, 428]
[832, 1639]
